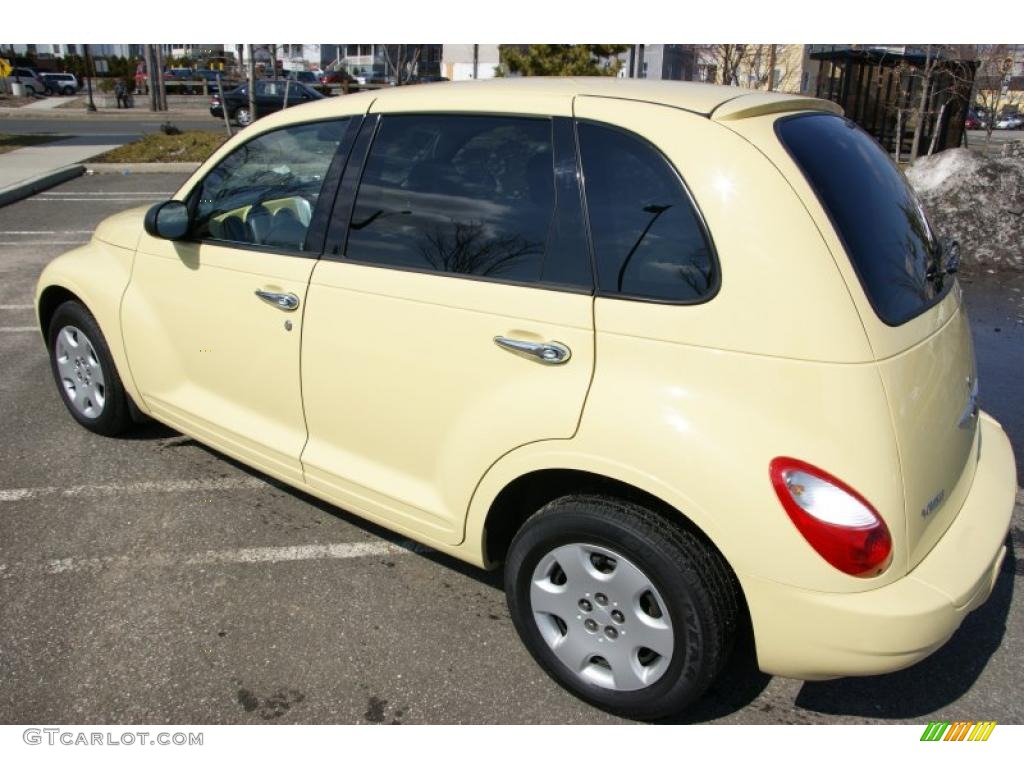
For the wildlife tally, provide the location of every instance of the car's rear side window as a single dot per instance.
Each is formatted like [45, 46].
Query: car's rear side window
[874, 211]
[470, 195]
[649, 242]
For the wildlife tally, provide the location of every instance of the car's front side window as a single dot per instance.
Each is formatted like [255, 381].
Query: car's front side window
[265, 192]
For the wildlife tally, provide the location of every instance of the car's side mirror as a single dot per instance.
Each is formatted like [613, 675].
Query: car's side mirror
[168, 220]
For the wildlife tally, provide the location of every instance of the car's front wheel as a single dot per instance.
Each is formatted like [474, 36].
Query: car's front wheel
[84, 371]
[624, 608]
[243, 116]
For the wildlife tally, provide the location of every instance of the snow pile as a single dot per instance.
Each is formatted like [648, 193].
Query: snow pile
[930, 173]
[976, 200]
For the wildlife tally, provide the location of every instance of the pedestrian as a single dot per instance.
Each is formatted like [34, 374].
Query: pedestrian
[140, 77]
[121, 92]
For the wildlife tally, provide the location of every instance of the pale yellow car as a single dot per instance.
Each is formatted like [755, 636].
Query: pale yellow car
[684, 358]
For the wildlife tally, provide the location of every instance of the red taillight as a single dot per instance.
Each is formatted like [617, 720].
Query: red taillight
[839, 523]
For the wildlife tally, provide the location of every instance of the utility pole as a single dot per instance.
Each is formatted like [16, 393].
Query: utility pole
[223, 105]
[476, 60]
[150, 76]
[88, 78]
[252, 81]
[161, 85]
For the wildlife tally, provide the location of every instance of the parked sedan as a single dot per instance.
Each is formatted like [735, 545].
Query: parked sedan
[1010, 123]
[270, 97]
[973, 123]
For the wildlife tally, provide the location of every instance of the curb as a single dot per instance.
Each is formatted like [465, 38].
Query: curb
[29, 187]
[59, 114]
[126, 168]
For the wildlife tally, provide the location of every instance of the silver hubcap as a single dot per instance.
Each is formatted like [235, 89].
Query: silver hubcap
[602, 617]
[80, 371]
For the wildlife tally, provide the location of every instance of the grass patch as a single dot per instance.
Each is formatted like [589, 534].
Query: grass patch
[185, 147]
[15, 101]
[12, 141]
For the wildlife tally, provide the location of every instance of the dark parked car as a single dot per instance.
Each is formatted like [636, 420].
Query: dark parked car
[306, 78]
[428, 79]
[269, 98]
[336, 76]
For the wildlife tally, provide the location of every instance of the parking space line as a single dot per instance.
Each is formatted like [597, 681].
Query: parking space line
[145, 199]
[116, 489]
[16, 306]
[103, 194]
[271, 555]
[19, 243]
[46, 232]
[19, 329]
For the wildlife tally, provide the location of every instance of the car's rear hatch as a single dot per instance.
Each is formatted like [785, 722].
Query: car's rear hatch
[911, 310]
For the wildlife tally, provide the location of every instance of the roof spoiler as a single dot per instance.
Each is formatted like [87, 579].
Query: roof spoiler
[756, 104]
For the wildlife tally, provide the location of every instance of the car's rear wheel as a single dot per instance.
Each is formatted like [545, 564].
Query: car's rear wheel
[624, 608]
[68, 91]
[84, 371]
[243, 116]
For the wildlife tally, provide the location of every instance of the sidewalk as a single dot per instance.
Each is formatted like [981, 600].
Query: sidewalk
[44, 105]
[136, 113]
[26, 171]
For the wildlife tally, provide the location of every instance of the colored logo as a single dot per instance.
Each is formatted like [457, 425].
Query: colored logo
[961, 730]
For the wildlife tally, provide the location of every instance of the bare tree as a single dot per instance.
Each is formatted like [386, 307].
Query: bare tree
[402, 60]
[992, 83]
[727, 57]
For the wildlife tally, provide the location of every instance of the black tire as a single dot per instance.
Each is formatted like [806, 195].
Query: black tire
[243, 117]
[698, 588]
[114, 416]
[68, 91]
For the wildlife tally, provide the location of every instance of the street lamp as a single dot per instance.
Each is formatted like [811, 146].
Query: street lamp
[88, 77]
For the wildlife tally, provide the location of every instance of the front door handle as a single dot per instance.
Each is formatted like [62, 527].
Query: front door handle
[289, 302]
[549, 353]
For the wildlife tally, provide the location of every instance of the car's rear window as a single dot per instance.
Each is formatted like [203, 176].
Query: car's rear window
[874, 211]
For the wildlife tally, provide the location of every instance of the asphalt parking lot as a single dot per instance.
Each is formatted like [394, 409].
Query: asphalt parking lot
[152, 580]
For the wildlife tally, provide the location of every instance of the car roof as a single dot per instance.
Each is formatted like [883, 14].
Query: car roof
[717, 102]
[722, 102]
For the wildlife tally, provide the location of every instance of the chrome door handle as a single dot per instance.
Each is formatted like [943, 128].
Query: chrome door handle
[289, 302]
[549, 353]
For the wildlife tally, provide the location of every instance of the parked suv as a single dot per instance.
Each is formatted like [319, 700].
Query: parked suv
[63, 83]
[683, 358]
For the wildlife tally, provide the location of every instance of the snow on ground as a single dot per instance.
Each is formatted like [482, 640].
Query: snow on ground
[930, 173]
[976, 200]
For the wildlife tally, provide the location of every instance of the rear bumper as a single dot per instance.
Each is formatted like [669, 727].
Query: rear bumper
[817, 635]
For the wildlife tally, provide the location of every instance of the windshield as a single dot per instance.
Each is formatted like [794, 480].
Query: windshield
[874, 210]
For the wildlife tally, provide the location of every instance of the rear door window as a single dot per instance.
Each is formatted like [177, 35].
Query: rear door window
[875, 213]
[468, 195]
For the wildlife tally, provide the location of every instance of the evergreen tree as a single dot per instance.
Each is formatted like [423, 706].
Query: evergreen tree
[552, 60]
